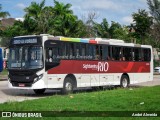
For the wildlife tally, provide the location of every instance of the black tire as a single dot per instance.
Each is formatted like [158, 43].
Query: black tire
[68, 86]
[95, 88]
[124, 81]
[39, 91]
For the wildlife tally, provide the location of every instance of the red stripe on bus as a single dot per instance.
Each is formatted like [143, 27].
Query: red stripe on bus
[93, 41]
[87, 67]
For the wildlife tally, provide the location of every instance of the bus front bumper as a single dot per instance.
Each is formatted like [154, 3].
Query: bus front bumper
[37, 85]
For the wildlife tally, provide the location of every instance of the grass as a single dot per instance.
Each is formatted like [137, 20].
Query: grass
[131, 99]
[4, 72]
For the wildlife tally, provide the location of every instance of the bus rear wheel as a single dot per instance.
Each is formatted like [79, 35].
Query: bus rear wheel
[39, 91]
[124, 81]
[68, 86]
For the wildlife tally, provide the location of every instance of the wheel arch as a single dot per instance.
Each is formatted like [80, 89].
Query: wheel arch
[127, 76]
[73, 79]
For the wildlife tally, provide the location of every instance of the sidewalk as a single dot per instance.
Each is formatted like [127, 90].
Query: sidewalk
[3, 77]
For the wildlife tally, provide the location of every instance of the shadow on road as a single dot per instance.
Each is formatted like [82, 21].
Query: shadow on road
[28, 93]
[51, 92]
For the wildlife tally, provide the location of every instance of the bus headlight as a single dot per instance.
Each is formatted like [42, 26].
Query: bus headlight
[38, 78]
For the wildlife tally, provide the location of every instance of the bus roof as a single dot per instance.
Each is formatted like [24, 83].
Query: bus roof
[94, 41]
[88, 40]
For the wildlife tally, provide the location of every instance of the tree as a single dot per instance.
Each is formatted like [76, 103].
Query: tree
[114, 28]
[115, 31]
[3, 14]
[102, 29]
[65, 23]
[58, 20]
[17, 29]
[142, 25]
[90, 24]
[34, 17]
[154, 6]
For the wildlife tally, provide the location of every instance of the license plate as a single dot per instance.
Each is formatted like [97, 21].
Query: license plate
[21, 85]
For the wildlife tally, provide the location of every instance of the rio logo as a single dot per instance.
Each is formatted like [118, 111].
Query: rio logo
[103, 66]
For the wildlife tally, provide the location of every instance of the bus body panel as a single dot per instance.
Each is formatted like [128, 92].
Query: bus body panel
[92, 80]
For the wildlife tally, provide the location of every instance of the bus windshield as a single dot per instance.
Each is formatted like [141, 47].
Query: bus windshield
[26, 57]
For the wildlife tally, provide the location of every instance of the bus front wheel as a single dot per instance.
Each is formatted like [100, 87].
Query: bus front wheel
[68, 86]
[39, 91]
[124, 81]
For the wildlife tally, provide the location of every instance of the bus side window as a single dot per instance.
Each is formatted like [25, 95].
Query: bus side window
[142, 54]
[94, 51]
[104, 52]
[71, 51]
[97, 57]
[117, 53]
[90, 51]
[67, 52]
[100, 52]
[128, 54]
[113, 53]
[122, 54]
[64, 50]
[83, 51]
[109, 53]
[137, 54]
[147, 54]
[77, 50]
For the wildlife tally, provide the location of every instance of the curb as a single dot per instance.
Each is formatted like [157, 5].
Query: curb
[3, 79]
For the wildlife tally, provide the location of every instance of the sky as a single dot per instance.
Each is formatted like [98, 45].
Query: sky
[113, 10]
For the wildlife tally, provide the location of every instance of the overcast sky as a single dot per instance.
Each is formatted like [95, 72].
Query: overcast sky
[113, 10]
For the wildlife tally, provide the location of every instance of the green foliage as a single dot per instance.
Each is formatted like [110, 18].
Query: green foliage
[156, 63]
[102, 29]
[65, 23]
[142, 24]
[4, 72]
[115, 31]
[3, 14]
[17, 29]
[154, 6]
[59, 20]
[114, 28]
[35, 17]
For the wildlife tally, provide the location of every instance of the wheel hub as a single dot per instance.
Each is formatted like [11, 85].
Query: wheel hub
[124, 82]
[68, 86]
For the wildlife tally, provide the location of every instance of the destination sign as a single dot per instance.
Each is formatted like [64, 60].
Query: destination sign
[24, 41]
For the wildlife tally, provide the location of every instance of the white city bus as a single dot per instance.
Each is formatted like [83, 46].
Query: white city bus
[46, 62]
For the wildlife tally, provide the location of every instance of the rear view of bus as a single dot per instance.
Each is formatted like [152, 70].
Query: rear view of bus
[1, 61]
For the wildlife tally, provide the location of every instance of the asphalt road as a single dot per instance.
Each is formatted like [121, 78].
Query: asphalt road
[8, 95]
